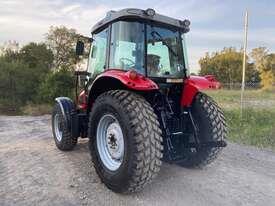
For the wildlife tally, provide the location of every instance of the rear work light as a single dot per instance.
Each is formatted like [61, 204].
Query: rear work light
[150, 12]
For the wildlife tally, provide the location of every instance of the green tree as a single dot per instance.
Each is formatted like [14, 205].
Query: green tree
[60, 83]
[18, 83]
[62, 42]
[258, 55]
[10, 56]
[38, 56]
[265, 64]
[22, 72]
[226, 65]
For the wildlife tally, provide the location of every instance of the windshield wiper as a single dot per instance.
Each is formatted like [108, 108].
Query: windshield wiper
[155, 33]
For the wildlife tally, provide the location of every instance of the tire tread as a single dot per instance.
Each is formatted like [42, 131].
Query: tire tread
[147, 137]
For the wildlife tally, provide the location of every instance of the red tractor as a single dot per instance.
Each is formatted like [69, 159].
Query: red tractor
[138, 106]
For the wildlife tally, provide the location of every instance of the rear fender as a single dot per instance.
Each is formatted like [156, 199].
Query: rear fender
[119, 79]
[189, 92]
[140, 82]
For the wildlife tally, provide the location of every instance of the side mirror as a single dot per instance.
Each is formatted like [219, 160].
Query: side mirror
[79, 50]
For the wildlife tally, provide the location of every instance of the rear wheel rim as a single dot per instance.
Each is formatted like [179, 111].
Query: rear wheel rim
[58, 127]
[110, 142]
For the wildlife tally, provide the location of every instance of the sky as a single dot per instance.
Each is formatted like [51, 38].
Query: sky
[215, 24]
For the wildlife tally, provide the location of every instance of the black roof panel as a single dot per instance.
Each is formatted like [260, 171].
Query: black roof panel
[132, 13]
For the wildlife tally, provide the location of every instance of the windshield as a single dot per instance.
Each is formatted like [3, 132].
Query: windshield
[166, 51]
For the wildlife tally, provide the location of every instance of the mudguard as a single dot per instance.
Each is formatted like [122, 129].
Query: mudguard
[119, 79]
[189, 92]
[140, 82]
[68, 111]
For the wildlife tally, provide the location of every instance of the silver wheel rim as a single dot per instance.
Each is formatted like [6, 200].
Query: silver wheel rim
[110, 142]
[58, 127]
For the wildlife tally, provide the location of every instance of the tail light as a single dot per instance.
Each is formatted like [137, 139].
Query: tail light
[132, 74]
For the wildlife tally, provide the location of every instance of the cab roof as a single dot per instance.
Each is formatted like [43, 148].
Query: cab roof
[139, 14]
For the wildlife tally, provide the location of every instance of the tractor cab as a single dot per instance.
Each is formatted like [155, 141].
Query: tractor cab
[142, 41]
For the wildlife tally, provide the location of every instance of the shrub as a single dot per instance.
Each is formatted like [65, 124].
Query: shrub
[60, 83]
[36, 109]
[18, 82]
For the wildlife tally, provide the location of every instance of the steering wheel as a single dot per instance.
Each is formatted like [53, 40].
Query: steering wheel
[123, 63]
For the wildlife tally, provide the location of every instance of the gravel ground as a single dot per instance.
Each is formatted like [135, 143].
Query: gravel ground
[34, 172]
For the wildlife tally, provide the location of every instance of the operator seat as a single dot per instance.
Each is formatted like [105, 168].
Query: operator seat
[153, 64]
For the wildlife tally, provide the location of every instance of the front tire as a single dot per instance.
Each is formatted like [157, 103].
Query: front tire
[211, 125]
[128, 123]
[62, 136]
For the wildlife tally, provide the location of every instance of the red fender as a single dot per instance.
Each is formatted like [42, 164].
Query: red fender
[189, 92]
[130, 79]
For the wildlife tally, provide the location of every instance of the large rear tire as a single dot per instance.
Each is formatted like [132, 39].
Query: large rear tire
[125, 141]
[211, 125]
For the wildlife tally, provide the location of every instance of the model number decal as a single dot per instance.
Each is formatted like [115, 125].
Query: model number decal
[174, 80]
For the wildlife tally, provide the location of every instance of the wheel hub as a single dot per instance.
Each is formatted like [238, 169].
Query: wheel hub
[115, 141]
[110, 142]
[58, 127]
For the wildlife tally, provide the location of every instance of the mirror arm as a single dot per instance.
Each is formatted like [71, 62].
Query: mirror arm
[76, 89]
[77, 81]
[85, 38]
[82, 73]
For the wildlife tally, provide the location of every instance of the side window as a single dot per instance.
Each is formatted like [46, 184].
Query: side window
[97, 55]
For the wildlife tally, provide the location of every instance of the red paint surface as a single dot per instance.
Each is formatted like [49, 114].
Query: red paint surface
[140, 83]
[191, 86]
[82, 100]
[205, 82]
[189, 92]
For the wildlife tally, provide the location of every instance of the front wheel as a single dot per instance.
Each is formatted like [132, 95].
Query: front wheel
[210, 122]
[62, 135]
[125, 141]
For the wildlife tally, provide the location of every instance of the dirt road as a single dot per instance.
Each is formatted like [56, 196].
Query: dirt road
[34, 172]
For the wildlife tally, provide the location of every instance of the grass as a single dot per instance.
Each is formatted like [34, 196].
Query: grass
[29, 109]
[257, 124]
[36, 110]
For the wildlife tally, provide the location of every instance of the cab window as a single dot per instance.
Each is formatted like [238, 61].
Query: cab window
[97, 56]
[164, 52]
[127, 46]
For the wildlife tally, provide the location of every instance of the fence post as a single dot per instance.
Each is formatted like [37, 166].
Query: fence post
[244, 59]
